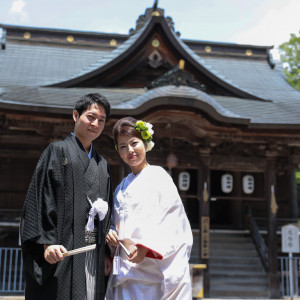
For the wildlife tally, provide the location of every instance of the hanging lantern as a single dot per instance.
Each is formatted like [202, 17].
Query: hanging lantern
[227, 183]
[248, 184]
[172, 161]
[184, 181]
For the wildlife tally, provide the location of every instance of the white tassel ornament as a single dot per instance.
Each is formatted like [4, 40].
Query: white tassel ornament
[99, 207]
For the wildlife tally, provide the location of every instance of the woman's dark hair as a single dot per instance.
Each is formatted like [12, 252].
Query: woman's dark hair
[124, 127]
[87, 100]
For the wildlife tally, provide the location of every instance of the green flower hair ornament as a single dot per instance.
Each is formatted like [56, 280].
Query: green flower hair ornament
[146, 133]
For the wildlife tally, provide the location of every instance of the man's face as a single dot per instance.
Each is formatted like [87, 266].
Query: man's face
[90, 124]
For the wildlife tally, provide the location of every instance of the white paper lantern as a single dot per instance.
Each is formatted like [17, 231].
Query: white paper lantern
[248, 184]
[184, 181]
[227, 183]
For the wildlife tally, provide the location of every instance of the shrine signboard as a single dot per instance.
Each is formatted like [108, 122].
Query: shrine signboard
[290, 245]
[290, 238]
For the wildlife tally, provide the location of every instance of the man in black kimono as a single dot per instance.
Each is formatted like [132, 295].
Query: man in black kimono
[69, 174]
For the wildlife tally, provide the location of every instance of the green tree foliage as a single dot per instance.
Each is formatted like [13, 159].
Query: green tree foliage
[290, 55]
[298, 175]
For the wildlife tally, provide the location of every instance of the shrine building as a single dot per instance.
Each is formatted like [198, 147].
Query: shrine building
[226, 122]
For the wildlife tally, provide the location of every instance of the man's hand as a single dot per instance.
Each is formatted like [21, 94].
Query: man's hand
[53, 253]
[108, 265]
[137, 254]
[112, 238]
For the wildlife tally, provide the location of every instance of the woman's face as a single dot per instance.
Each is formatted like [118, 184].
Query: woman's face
[132, 151]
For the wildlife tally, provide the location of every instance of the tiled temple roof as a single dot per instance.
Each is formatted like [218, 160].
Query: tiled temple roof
[27, 68]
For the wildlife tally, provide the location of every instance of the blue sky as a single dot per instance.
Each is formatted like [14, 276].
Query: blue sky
[255, 22]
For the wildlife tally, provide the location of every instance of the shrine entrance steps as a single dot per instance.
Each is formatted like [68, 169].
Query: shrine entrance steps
[235, 268]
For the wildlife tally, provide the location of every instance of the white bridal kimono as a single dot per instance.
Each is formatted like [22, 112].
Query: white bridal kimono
[149, 212]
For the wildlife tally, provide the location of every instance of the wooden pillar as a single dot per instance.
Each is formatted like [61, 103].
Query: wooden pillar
[292, 191]
[237, 213]
[270, 189]
[204, 224]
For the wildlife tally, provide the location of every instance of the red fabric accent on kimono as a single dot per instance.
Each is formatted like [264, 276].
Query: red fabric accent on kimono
[151, 253]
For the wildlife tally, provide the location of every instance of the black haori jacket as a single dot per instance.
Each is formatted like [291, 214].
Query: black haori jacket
[56, 212]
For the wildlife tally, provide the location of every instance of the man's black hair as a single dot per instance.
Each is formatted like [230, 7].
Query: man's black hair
[87, 100]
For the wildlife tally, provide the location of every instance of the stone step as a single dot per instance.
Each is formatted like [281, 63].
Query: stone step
[233, 286]
[249, 244]
[239, 287]
[239, 294]
[237, 277]
[233, 247]
[233, 252]
[230, 233]
[237, 274]
[229, 236]
[229, 239]
[263, 286]
[235, 267]
[234, 260]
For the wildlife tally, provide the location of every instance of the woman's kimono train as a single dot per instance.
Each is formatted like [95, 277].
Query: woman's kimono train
[148, 211]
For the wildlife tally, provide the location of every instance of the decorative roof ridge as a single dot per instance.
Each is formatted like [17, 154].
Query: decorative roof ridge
[176, 76]
[178, 92]
[98, 33]
[149, 13]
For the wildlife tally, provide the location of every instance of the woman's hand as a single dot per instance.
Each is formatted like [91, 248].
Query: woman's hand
[137, 254]
[54, 253]
[112, 238]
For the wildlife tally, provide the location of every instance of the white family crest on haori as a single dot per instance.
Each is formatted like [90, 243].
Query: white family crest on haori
[99, 207]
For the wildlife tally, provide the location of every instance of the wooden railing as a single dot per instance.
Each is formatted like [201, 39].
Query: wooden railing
[11, 271]
[258, 240]
[285, 276]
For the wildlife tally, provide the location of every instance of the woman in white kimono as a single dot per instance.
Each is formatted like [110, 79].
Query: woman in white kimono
[150, 221]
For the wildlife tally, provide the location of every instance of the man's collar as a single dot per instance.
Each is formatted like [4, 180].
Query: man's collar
[91, 149]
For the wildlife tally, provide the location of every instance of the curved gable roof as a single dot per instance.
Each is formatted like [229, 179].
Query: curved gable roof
[101, 71]
[104, 63]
